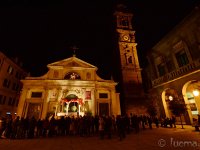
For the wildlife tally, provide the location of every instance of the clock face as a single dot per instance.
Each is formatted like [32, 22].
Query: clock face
[126, 37]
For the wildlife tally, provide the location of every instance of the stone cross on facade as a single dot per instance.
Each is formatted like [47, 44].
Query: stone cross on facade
[74, 48]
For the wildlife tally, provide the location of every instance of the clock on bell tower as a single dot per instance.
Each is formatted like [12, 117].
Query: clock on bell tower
[130, 78]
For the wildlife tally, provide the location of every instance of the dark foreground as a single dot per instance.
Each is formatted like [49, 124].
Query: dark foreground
[151, 139]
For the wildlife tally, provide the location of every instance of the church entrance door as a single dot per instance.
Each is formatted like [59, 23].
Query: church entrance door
[34, 109]
[104, 109]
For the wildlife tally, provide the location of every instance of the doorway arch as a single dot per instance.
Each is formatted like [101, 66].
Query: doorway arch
[167, 95]
[192, 101]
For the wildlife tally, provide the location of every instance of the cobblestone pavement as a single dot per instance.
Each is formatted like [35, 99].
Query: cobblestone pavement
[157, 138]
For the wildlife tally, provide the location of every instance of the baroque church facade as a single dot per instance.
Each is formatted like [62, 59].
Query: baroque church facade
[70, 87]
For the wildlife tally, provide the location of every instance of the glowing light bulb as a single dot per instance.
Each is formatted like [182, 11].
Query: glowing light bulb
[196, 92]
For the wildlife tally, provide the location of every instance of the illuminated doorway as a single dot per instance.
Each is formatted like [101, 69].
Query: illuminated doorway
[71, 105]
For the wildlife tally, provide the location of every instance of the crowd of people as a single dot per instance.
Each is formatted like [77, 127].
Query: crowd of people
[84, 126]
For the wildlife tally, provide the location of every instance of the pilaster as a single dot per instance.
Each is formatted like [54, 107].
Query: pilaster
[22, 101]
[45, 104]
[93, 101]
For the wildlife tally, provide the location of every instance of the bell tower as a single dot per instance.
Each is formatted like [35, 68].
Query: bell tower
[130, 72]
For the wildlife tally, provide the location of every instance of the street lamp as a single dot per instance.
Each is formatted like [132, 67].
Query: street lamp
[196, 92]
[170, 98]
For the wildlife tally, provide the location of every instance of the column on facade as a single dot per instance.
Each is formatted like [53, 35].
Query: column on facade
[188, 118]
[165, 105]
[79, 109]
[45, 104]
[22, 101]
[188, 109]
[115, 106]
[93, 101]
[197, 101]
[59, 96]
[67, 109]
[118, 106]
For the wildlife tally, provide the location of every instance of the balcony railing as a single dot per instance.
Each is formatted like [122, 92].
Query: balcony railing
[195, 65]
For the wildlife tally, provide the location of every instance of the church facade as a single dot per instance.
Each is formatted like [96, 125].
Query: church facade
[70, 87]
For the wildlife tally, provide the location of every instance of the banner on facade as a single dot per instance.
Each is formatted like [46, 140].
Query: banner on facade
[88, 95]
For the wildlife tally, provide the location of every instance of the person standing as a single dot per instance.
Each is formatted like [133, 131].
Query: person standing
[101, 127]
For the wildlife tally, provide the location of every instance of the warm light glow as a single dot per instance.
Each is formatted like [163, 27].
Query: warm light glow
[196, 92]
[170, 98]
[61, 114]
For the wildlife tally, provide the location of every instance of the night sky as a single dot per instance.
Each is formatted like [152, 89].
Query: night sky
[40, 32]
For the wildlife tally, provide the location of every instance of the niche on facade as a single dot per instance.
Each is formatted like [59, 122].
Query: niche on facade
[88, 75]
[72, 76]
[55, 74]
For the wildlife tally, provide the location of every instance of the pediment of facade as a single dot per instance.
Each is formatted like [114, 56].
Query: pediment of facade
[71, 62]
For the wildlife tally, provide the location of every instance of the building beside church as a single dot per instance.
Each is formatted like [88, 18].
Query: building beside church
[70, 87]
[174, 68]
[127, 69]
[11, 72]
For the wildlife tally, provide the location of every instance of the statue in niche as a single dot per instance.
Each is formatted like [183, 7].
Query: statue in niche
[128, 58]
[73, 76]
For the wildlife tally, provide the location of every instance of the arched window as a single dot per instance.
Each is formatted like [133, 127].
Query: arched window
[72, 76]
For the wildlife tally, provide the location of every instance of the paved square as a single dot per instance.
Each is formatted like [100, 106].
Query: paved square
[157, 138]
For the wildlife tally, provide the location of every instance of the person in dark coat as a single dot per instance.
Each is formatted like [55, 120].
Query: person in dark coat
[32, 125]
